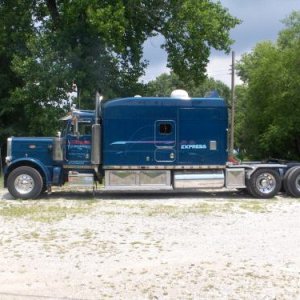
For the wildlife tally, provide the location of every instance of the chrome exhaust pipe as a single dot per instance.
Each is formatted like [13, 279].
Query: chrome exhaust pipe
[96, 133]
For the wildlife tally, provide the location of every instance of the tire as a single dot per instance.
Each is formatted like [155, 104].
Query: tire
[25, 183]
[249, 189]
[264, 183]
[285, 182]
[293, 182]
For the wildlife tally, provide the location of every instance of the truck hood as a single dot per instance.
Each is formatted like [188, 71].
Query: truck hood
[38, 148]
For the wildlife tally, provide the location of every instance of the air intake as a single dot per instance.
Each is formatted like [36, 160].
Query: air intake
[182, 94]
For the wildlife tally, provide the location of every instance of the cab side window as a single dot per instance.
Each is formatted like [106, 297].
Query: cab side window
[84, 128]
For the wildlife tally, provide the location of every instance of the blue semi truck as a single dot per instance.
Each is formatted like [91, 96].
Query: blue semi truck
[142, 144]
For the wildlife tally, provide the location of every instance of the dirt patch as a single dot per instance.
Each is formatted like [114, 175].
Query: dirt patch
[149, 246]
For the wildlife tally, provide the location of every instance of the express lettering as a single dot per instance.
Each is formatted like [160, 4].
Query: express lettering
[197, 146]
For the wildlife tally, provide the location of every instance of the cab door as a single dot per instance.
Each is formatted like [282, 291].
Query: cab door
[165, 141]
[78, 143]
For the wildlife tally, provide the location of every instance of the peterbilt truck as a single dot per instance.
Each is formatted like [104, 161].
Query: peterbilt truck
[142, 144]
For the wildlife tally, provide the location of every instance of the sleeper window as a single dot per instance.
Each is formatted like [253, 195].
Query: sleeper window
[165, 128]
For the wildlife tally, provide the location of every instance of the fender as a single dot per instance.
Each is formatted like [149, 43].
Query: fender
[31, 162]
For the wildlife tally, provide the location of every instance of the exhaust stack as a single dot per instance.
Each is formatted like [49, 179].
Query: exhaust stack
[97, 106]
[96, 133]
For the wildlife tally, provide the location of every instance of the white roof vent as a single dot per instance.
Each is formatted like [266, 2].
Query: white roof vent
[180, 94]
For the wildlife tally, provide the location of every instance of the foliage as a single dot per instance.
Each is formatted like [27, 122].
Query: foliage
[15, 27]
[48, 45]
[268, 123]
[164, 84]
[190, 29]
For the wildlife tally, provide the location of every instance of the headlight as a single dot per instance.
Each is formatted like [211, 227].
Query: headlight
[8, 152]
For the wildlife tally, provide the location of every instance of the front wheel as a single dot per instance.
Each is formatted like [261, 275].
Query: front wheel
[25, 183]
[264, 183]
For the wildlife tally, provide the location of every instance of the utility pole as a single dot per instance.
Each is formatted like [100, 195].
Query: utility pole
[231, 147]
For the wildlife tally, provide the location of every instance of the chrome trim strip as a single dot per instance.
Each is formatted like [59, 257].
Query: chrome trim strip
[165, 167]
[138, 188]
[78, 167]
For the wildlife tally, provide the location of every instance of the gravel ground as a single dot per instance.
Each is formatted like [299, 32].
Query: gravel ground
[221, 245]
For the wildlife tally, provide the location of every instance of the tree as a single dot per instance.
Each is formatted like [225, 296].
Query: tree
[164, 84]
[15, 27]
[269, 123]
[96, 43]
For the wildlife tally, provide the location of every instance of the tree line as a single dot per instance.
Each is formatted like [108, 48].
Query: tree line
[268, 103]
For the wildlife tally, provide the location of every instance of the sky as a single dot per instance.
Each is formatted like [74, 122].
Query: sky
[261, 20]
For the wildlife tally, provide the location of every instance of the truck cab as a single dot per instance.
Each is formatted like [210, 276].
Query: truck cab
[140, 144]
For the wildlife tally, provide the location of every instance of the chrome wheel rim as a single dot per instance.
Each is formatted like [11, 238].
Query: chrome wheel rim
[266, 183]
[24, 184]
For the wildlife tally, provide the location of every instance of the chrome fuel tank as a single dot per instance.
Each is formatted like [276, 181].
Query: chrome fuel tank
[199, 179]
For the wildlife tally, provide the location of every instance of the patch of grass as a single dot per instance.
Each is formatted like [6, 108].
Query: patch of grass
[47, 211]
[104, 246]
[255, 206]
[204, 208]
[40, 212]
[209, 208]
[87, 234]
[137, 243]
[201, 208]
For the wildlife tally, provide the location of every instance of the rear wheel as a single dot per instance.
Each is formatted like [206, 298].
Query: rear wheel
[285, 181]
[25, 183]
[249, 188]
[264, 183]
[250, 191]
[292, 182]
